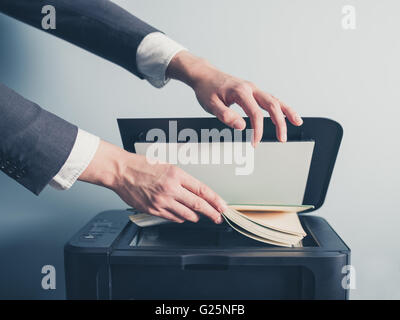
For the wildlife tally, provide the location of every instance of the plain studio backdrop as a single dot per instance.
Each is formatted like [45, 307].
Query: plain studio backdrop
[296, 50]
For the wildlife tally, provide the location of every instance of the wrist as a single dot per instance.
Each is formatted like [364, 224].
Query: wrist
[188, 68]
[106, 167]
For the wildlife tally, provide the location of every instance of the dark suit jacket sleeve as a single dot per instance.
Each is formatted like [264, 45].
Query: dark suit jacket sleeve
[98, 26]
[34, 143]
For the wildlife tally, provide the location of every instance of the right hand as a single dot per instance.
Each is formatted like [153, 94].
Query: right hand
[216, 91]
[162, 190]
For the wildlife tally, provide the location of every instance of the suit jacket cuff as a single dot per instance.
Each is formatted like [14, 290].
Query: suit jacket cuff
[153, 56]
[81, 155]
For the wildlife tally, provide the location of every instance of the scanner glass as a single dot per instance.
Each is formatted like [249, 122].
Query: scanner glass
[204, 234]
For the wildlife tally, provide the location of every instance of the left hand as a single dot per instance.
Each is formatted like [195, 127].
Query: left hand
[216, 91]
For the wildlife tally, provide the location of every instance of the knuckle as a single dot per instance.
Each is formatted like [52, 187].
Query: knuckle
[281, 120]
[256, 113]
[274, 106]
[215, 198]
[209, 104]
[158, 201]
[190, 216]
[173, 172]
[197, 205]
[160, 188]
[185, 215]
[153, 211]
[251, 85]
[213, 100]
[169, 187]
[177, 220]
[241, 88]
[225, 116]
[203, 190]
[269, 96]
[289, 110]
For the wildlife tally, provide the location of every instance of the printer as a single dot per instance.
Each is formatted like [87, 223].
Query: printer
[113, 258]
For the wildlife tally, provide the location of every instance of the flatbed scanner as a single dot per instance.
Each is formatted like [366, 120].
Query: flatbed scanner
[112, 258]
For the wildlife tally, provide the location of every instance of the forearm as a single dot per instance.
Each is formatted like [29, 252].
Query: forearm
[34, 143]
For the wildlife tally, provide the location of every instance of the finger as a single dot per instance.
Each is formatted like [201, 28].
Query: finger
[292, 115]
[267, 102]
[166, 214]
[203, 191]
[183, 212]
[227, 115]
[197, 204]
[251, 108]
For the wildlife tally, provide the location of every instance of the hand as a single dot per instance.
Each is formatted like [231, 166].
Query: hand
[216, 91]
[163, 190]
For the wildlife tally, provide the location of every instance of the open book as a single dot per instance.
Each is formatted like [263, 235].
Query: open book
[274, 224]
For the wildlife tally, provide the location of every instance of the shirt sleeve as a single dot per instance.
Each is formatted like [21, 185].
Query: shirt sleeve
[81, 155]
[153, 56]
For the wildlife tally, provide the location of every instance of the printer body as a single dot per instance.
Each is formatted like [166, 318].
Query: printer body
[113, 258]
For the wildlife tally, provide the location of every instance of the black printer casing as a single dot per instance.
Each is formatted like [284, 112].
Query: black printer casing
[101, 264]
[112, 258]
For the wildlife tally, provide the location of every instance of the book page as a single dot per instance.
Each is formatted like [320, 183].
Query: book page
[279, 175]
[257, 238]
[271, 207]
[259, 230]
[282, 221]
[147, 220]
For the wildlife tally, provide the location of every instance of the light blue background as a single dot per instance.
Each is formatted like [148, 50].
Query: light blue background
[296, 50]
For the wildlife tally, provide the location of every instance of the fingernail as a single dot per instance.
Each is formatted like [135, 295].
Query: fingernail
[284, 138]
[238, 124]
[254, 142]
[299, 120]
[223, 207]
[219, 220]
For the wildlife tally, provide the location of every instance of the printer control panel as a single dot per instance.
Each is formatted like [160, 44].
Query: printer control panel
[102, 230]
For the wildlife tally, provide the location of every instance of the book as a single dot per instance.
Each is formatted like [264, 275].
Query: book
[273, 224]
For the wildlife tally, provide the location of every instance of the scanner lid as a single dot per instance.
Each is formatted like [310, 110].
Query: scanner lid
[295, 172]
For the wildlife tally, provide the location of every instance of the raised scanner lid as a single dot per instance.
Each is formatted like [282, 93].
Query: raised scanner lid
[295, 172]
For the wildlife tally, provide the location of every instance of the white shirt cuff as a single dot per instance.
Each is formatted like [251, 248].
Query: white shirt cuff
[81, 154]
[153, 56]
